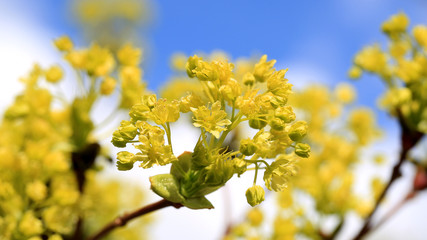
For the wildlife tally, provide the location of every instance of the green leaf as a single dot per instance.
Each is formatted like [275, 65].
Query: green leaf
[166, 186]
[182, 166]
[200, 158]
[198, 203]
[124, 166]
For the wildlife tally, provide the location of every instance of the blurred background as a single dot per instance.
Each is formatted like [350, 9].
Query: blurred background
[316, 40]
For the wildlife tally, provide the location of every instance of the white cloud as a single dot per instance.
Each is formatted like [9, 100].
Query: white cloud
[22, 43]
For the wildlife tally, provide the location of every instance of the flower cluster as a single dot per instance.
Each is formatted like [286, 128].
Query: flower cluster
[219, 99]
[402, 67]
[113, 22]
[48, 179]
[338, 134]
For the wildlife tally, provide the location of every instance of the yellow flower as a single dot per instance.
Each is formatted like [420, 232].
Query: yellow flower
[355, 72]
[345, 93]
[248, 79]
[191, 65]
[263, 69]
[206, 71]
[99, 61]
[53, 74]
[30, 225]
[164, 111]
[420, 35]
[152, 147]
[63, 43]
[278, 84]
[247, 103]
[408, 71]
[37, 191]
[108, 85]
[362, 122]
[255, 216]
[178, 61]
[212, 120]
[190, 101]
[371, 59]
[129, 56]
[59, 219]
[399, 48]
[277, 175]
[396, 24]
[132, 86]
[231, 90]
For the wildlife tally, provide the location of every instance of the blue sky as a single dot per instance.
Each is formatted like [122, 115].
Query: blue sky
[316, 40]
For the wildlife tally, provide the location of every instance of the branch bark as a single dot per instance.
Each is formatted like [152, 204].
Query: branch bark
[123, 220]
[409, 138]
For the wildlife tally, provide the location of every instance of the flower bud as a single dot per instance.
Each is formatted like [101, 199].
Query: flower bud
[278, 101]
[257, 123]
[298, 131]
[302, 150]
[125, 160]
[285, 113]
[277, 124]
[118, 140]
[192, 63]
[127, 130]
[247, 147]
[255, 195]
[129, 56]
[248, 79]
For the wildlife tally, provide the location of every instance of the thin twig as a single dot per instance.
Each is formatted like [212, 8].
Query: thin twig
[394, 210]
[123, 220]
[409, 138]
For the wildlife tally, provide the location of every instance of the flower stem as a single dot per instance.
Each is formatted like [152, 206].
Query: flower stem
[123, 220]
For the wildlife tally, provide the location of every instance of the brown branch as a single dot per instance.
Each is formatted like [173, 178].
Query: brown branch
[419, 184]
[409, 138]
[82, 160]
[123, 220]
[394, 210]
